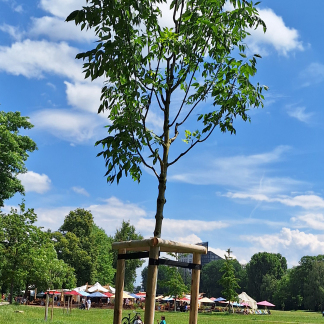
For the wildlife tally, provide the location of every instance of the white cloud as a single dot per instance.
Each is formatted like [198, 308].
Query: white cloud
[176, 229]
[240, 171]
[13, 31]
[72, 126]
[84, 96]
[81, 191]
[109, 214]
[58, 30]
[313, 74]
[34, 58]
[309, 220]
[304, 201]
[219, 252]
[35, 182]
[61, 8]
[284, 39]
[290, 243]
[299, 113]
[18, 8]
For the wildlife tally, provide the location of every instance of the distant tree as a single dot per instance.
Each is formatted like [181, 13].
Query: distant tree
[43, 269]
[288, 293]
[260, 265]
[18, 236]
[174, 284]
[162, 277]
[102, 249]
[211, 274]
[268, 287]
[200, 58]
[228, 281]
[314, 287]
[125, 233]
[210, 277]
[14, 150]
[75, 245]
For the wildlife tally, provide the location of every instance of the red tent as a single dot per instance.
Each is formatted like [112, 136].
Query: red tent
[108, 294]
[53, 292]
[184, 299]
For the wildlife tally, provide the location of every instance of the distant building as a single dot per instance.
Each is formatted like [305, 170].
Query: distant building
[210, 256]
[205, 258]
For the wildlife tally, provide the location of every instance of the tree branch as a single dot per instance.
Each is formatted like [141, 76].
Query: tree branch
[192, 145]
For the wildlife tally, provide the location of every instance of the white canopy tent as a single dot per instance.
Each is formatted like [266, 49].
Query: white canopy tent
[97, 287]
[245, 298]
[82, 288]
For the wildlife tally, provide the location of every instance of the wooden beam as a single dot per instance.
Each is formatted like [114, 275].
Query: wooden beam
[140, 244]
[46, 307]
[195, 277]
[52, 310]
[151, 287]
[165, 246]
[119, 286]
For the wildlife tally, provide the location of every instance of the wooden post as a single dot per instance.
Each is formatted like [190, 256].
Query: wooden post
[119, 286]
[151, 287]
[195, 277]
[63, 302]
[68, 305]
[46, 306]
[35, 293]
[52, 311]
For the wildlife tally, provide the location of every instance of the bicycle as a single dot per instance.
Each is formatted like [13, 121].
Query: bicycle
[128, 320]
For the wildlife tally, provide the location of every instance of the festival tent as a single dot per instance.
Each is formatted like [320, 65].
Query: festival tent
[265, 303]
[81, 288]
[205, 300]
[135, 296]
[245, 298]
[84, 293]
[97, 294]
[219, 299]
[97, 287]
[108, 294]
[72, 293]
[184, 299]
[125, 295]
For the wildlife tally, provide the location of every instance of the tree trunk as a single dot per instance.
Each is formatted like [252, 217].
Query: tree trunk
[11, 291]
[26, 290]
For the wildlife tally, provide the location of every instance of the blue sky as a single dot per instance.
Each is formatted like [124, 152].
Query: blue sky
[260, 190]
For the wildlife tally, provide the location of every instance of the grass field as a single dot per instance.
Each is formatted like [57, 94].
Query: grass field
[30, 315]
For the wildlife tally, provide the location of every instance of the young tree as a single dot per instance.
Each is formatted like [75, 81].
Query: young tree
[174, 284]
[146, 65]
[228, 280]
[14, 150]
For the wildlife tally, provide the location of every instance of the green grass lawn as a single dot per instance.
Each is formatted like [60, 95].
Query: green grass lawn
[32, 315]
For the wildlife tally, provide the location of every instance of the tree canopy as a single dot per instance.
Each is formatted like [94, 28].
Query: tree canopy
[14, 150]
[28, 255]
[198, 57]
[125, 233]
[262, 267]
[85, 247]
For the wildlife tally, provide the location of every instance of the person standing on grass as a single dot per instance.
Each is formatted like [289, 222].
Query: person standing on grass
[89, 303]
[162, 320]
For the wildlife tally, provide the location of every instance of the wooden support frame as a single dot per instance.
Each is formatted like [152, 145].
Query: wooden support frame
[155, 246]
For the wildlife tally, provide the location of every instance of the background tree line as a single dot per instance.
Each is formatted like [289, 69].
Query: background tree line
[265, 277]
[79, 252]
